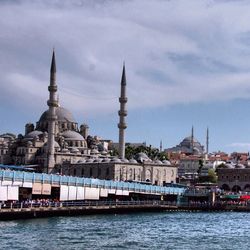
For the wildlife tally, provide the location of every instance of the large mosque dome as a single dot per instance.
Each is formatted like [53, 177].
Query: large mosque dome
[188, 145]
[63, 115]
[64, 121]
[187, 142]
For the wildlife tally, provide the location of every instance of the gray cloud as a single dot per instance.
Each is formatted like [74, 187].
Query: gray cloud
[175, 52]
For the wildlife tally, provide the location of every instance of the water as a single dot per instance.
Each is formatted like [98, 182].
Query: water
[168, 230]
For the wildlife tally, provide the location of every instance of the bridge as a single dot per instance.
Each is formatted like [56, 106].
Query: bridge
[14, 183]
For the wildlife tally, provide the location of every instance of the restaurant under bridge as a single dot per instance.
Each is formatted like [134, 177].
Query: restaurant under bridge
[21, 185]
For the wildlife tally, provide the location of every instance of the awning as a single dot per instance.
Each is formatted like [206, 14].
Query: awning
[231, 196]
[245, 197]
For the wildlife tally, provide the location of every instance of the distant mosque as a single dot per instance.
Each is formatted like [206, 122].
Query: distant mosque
[190, 146]
[56, 144]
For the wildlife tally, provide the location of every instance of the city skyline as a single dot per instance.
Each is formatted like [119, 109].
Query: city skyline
[187, 64]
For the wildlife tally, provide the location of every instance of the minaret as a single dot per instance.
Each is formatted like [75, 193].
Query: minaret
[207, 141]
[161, 146]
[192, 139]
[52, 103]
[122, 113]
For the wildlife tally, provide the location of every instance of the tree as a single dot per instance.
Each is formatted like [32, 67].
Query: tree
[152, 153]
[200, 166]
[114, 152]
[212, 177]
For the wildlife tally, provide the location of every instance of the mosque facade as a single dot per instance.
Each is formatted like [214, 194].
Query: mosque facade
[189, 146]
[57, 144]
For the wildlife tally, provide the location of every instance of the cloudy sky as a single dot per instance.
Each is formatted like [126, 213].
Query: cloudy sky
[187, 63]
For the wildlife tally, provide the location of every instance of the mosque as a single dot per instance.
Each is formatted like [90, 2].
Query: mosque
[190, 146]
[57, 144]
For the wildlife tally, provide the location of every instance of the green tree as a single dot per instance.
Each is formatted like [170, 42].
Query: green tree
[201, 163]
[114, 152]
[152, 153]
[212, 177]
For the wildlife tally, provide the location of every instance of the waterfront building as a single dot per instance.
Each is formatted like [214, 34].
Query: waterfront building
[189, 166]
[141, 169]
[234, 177]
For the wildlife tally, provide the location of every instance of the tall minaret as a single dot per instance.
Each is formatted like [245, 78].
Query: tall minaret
[122, 113]
[207, 141]
[52, 103]
[192, 138]
[161, 146]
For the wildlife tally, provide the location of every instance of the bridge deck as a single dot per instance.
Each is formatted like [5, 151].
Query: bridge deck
[19, 177]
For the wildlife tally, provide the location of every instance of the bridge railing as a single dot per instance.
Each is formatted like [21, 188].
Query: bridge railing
[21, 176]
[68, 204]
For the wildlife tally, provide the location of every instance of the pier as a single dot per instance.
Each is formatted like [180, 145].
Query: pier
[39, 210]
[35, 195]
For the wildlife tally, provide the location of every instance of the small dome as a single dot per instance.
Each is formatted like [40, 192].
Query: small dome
[106, 160]
[240, 166]
[81, 161]
[117, 160]
[8, 136]
[90, 160]
[74, 150]
[133, 161]
[94, 151]
[98, 160]
[141, 157]
[166, 162]
[125, 160]
[157, 162]
[32, 135]
[65, 150]
[229, 165]
[70, 135]
[196, 150]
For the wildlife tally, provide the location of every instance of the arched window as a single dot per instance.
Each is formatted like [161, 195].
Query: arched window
[130, 175]
[225, 187]
[148, 175]
[236, 188]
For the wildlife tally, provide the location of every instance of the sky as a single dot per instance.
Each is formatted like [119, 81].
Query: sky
[187, 64]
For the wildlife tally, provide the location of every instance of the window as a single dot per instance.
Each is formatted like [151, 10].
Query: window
[82, 172]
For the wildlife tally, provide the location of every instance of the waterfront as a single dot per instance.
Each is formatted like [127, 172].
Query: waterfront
[166, 230]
